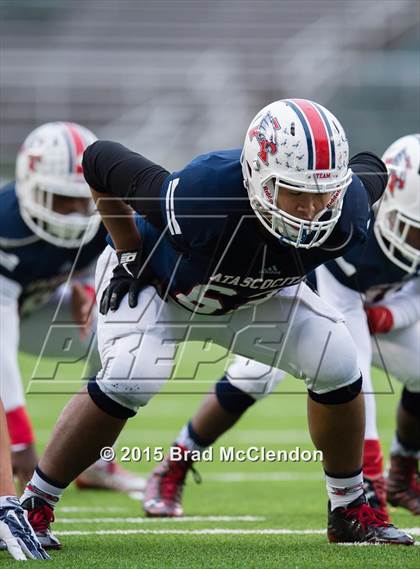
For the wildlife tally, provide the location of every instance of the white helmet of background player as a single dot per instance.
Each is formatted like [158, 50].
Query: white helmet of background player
[49, 164]
[296, 144]
[397, 224]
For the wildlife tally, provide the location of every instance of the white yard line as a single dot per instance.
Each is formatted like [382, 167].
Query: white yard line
[256, 476]
[367, 544]
[75, 509]
[185, 519]
[206, 531]
[263, 476]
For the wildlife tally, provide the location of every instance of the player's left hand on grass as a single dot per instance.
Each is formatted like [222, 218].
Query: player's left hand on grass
[380, 319]
[130, 276]
[16, 532]
[23, 464]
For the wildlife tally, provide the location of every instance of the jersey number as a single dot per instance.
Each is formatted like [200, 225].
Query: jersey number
[205, 299]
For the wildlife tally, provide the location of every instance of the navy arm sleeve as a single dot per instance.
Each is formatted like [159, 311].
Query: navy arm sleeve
[111, 168]
[373, 173]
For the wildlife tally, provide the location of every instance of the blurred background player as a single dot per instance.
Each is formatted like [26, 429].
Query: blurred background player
[48, 235]
[384, 280]
[16, 534]
[382, 277]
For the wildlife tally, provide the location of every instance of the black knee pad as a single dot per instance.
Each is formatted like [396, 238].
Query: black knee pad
[411, 402]
[342, 395]
[106, 404]
[232, 399]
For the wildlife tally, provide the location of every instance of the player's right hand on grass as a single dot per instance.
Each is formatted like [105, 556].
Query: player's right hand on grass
[23, 464]
[130, 276]
[17, 533]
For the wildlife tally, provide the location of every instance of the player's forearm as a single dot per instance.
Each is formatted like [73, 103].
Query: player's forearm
[119, 220]
[6, 479]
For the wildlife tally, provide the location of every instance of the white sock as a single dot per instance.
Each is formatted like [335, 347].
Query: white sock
[343, 491]
[399, 449]
[184, 438]
[40, 488]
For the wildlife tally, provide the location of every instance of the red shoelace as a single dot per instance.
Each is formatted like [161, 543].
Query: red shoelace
[40, 518]
[367, 516]
[173, 480]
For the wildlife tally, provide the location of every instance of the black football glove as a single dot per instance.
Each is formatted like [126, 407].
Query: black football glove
[129, 276]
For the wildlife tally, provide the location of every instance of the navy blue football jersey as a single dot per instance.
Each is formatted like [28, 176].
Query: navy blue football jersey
[367, 269]
[215, 256]
[37, 266]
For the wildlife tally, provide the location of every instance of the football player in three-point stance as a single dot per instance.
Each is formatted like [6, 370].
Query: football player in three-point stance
[380, 278]
[47, 230]
[200, 266]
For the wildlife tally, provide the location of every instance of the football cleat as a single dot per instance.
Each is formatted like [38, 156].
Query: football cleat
[40, 516]
[164, 487]
[375, 491]
[110, 476]
[403, 488]
[360, 523]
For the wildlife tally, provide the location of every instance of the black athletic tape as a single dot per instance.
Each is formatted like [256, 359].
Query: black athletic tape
[411, 402]
[232, 399]
[196, 438]
[342, 395]
[106, 404]
[49, 480]
[351, 475]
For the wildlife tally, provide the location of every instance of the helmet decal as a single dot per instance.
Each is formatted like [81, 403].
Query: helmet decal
[266, 135]
[397, 178]
[33, 161]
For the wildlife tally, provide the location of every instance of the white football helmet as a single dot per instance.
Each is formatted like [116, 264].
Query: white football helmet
[50, 162]
[399, 210]
[298, 145]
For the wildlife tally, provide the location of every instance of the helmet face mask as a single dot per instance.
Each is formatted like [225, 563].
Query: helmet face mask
[299, 146]
[48, 165]
[293, 230]
[398, 216]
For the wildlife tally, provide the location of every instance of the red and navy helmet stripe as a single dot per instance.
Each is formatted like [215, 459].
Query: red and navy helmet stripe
[330, 134]
[75, 145]
[321, 151]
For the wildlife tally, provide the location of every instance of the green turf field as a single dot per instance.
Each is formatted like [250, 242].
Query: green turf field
[245, 514]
